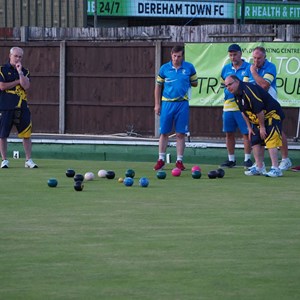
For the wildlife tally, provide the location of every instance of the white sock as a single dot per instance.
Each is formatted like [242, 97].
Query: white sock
[231, 157]
[247, 156]
[179, 157]
[162, 156]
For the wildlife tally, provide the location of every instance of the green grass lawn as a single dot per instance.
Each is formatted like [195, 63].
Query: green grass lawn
[180, 238]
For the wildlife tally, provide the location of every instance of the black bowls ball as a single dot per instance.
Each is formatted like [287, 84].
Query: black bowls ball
[212, 174]
[70, 173]
[78, 186]
[110, 174]
[220, 173]
[78, 177]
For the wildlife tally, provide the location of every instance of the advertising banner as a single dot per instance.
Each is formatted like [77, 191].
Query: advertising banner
[193, 9]
[209, 59]
[161, 8]
[275, 11]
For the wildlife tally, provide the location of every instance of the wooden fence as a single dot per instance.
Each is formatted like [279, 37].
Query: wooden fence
[179, 34]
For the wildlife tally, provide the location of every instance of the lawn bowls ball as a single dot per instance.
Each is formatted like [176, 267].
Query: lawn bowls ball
[144, 182]
[70, 173]
[52, 182]
[220, 173]
[78, 177]
[212, 174]
[130, 173]
[128, 181]
[88, 176]
[196, 174]
[195, 168]
[176, 172]
[78, 186]
[120, 180]
[161, 174]
[110, 175]
[102, 173]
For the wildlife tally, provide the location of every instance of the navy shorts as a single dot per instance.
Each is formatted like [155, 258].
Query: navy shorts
[8, 120]
[273, 139]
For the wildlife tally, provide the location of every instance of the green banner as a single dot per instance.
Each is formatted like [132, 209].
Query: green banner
[271, 11]
[161, 8]
[193, 9]
[209, 60]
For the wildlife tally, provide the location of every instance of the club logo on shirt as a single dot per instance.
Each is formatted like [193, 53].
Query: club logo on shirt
[170, 80]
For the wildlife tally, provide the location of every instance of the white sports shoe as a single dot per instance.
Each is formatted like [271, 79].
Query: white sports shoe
[274, 173]
[4, 164]
[285, 164]
[253, 171]
[30, 164]
[263, 169]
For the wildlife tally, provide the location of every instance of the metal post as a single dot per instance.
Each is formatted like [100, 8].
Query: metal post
[14, 14]
[28, 14]
[44, 13]
[5, 13]
[298, 128]
[95, 14]
[235, 13]
[243, 12]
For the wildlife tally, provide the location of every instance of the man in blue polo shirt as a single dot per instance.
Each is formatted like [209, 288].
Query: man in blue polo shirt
[232, 117]
[172, 94]
[263, 73]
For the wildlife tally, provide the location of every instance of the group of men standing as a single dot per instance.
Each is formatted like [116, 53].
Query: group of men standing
[250, 105]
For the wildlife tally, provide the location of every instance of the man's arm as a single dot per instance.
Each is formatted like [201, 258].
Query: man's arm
[250, 130]
[8, 85]
[24, 80]
[258, 79]
[157, 98]
[261, 122]
[194, 80]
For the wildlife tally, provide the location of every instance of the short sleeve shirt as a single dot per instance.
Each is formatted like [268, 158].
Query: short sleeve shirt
[230, 104]
[10, 98]
[176, 82]
[267, 72]
[255, 99]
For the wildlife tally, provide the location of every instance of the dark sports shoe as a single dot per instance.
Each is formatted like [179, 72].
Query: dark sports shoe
[180, 165]
[159, 165]
[248, 164]
[228, 164]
